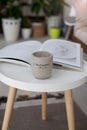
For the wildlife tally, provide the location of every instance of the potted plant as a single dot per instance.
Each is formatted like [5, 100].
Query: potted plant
[54, 32]
[26, 27]
[11, 18]
[38, 26]
[53, 10]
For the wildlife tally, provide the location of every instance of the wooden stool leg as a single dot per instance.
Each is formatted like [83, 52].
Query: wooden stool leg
[9, 107]
[68, 32]
[44, 106]
[69, 109]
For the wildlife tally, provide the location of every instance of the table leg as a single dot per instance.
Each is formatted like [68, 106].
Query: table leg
[69, 109]
[9, 107]
[44, 105]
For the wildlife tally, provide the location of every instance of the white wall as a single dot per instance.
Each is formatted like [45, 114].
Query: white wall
[67, 9]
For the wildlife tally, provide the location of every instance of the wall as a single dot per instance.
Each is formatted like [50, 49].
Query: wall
[67, 9]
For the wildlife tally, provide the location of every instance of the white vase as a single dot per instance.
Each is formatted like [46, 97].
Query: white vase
[11, 29]
[26, 33]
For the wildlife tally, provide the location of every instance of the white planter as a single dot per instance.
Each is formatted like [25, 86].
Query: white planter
[53, 21]
[11, 29]
[26, 33]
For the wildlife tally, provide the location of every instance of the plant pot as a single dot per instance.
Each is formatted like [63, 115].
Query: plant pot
[11, 29]
[26, 33]
[38, 29]
[54, 32]
[53, 21]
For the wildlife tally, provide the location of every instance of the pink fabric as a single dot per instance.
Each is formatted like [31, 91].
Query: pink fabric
[80, 30]
[80, 7]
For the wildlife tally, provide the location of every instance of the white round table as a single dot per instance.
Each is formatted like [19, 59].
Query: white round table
[20, 77]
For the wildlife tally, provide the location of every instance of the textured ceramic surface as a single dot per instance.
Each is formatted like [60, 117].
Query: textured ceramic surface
[42, 64]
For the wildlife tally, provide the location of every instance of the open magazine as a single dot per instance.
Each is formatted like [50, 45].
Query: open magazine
[65, 53]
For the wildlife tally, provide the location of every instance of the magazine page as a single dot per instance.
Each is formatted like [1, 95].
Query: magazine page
[64, 52]
[71, 66]
[19, 52]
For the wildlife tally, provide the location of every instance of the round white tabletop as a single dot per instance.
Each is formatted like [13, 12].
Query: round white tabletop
[21, 77]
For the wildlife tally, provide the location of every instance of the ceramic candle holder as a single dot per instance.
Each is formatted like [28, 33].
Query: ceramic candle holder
[42, 64]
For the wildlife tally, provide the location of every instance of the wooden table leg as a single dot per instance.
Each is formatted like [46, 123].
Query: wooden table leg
[44, 106]
[9, 107]
[69, 109]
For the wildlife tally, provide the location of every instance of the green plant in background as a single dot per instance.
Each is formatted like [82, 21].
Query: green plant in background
[54, 7]
[11, 8]
[26, 22]
[2, 7]
[37, 6]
